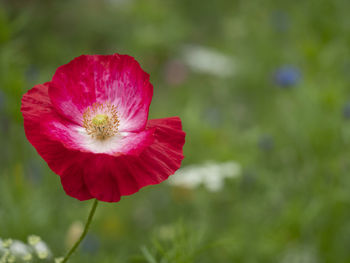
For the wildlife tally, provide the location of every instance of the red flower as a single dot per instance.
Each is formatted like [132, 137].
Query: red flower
[90, 125]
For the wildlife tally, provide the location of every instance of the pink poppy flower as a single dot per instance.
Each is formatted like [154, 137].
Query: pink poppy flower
[90, 124]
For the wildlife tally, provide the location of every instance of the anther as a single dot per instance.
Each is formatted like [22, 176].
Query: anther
[101, 121]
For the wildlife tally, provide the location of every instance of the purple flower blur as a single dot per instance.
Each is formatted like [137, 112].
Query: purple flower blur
[287, 76]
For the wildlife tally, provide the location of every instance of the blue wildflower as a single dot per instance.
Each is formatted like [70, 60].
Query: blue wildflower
[287, 76]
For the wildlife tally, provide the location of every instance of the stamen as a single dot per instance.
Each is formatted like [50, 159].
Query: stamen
[101, 121]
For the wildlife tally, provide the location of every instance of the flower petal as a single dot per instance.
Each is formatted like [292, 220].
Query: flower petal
[162, 158]
[117, 79]
[109, 178]
[123, 143]
[36, 106]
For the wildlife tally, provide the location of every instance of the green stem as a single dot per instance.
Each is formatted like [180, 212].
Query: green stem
[86, 229]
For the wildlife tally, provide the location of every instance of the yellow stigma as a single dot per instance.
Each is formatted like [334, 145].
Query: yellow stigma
[101, 121]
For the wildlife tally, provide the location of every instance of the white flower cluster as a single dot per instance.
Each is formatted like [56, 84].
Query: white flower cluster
[204, 60]
[211, 175]
[34, 250]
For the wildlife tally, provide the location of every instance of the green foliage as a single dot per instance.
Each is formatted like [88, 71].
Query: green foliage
[292, 202]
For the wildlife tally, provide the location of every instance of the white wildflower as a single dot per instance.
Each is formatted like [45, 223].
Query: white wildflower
[40, 248]
[20, 249]
[33, 240]
[204, 60]
[2, 248]
[6, 243]
[11, 259]
[210, 174]
[27, 257]
[5, 256]
[59, 260]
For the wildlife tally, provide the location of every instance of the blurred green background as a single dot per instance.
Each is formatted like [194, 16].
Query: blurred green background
[265, 84]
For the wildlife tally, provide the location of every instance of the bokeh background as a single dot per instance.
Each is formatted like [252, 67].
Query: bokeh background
[261, 84]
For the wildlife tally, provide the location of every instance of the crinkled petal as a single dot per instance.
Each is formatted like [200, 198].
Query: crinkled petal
[98, 174]
[36, 106]
[116, 79]
[109, 178]
[162, 158]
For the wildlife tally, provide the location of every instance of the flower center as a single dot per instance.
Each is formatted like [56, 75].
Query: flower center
[101, 121]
